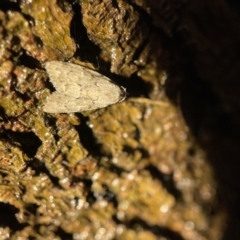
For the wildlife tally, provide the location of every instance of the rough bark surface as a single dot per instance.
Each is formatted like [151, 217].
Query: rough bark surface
[161, 165]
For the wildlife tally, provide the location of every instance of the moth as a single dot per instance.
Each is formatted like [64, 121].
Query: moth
[79, 89]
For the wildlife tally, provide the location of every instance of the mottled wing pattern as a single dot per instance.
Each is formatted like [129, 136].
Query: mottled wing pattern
[79, 89]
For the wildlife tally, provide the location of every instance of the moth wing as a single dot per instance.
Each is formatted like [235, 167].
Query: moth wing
[103, 93]
[79, 89]
[63, 74]
[59, 103]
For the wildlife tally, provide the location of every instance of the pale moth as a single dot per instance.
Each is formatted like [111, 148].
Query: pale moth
[79, 89]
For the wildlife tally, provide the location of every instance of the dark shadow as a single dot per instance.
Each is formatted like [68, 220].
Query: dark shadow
[87, 137]
[213, 117]
[8, 218]
[6, 5]
[166, 180]
[28, 141]
[63, 235]
[85, 48]
[39, 168]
